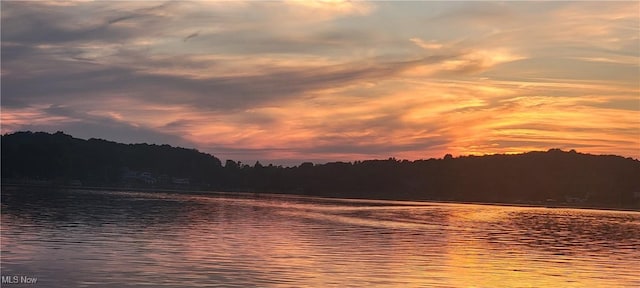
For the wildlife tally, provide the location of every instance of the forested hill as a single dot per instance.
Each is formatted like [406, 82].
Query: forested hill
[553, 177]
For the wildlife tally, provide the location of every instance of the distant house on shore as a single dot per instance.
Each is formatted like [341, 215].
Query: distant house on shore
[133, 177]
[180, 181]
[129, 176]
[571, 199]
[147, 178]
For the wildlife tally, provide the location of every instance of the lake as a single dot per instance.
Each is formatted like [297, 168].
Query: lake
[84, 238]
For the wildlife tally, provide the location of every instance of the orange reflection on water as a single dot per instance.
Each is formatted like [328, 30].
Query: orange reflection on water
[279, 241]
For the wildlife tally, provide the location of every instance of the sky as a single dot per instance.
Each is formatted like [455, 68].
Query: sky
[291, 81]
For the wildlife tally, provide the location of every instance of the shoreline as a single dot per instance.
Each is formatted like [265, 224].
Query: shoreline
[334, 198]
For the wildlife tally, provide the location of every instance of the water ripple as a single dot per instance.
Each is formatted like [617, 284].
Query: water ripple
[132, 239]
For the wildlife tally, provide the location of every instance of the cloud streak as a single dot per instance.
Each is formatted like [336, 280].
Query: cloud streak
[327, 80]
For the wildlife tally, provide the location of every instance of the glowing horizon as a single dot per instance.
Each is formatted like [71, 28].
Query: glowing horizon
[292, 81]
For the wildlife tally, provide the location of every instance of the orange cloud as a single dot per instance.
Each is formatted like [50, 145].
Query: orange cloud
[327, 79]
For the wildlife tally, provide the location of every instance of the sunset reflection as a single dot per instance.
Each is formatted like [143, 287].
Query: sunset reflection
[282, 241]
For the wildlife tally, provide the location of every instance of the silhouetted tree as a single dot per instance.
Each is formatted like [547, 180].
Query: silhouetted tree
[533, 177]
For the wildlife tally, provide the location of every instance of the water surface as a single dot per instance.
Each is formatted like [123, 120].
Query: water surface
[82, 238]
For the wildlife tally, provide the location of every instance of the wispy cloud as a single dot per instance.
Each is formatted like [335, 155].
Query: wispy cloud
[327, 80]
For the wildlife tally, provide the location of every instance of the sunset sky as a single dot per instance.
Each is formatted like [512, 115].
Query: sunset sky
[285, 82]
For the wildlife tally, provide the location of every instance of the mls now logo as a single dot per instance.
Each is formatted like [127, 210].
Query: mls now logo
[10, 279]
[18, 279]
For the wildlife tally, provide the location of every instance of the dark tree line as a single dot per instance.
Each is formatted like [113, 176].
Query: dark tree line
[553, 176]
[60, 157]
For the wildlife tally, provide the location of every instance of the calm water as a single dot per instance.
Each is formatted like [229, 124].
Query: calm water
[131, 239]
